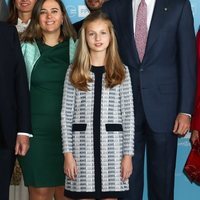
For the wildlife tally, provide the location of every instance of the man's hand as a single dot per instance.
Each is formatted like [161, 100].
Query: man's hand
[22, 145]
[182, 124]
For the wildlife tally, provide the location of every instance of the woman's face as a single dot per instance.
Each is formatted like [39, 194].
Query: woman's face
[51, 17]
[25, 6]
[98, 36]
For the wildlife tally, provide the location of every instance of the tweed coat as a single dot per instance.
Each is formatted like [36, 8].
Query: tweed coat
[98, 143]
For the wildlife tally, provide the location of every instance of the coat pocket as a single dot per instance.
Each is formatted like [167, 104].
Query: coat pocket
[79, 127]
[114, 127]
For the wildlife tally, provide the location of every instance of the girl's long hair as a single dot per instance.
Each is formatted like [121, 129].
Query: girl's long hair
[114, 68]
[34, 30]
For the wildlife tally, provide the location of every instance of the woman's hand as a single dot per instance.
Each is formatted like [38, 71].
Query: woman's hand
[126, 167]
[70, 167]
[194, 136]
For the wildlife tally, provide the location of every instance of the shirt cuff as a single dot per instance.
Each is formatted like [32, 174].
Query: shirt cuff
[187, 114]
[26, 134]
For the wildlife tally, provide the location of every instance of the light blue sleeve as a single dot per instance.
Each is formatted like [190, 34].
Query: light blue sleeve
[31, 54]
[72, 49]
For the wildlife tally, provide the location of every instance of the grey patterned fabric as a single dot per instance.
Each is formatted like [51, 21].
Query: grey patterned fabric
[116, 133]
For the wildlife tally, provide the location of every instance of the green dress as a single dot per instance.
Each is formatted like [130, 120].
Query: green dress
[43, 164]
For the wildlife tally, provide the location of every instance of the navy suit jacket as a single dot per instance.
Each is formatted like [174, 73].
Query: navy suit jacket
[166, 76]
[14, 93]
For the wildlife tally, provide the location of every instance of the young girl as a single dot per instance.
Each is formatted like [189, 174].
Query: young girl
[97, 116]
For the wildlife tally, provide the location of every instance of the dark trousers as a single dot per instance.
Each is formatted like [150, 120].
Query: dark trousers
[7, 160]
[161, 151]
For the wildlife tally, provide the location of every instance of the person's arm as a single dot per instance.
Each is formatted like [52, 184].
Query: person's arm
[70, 167]
[22, 99]
[187, 69]
[128, 120]
[72, 49]
[67, 113]
[128, 123]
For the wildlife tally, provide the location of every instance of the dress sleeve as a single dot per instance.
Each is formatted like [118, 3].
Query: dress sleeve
[67, 113]
[128, 120]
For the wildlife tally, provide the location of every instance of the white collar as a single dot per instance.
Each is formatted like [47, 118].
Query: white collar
[21, 26]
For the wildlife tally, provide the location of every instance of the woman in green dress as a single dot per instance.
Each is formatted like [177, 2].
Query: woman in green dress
[47, 47]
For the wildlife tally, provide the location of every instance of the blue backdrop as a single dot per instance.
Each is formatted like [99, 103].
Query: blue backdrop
[76, 9]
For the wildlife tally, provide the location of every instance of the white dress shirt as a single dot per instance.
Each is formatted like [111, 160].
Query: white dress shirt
[26, 134]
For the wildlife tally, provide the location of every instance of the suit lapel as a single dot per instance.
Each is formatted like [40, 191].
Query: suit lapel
[156, 24]
[128, 31]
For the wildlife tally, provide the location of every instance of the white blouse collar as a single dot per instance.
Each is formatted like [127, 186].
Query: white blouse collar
[21, 26]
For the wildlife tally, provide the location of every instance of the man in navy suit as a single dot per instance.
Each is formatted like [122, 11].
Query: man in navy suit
[163, 86]
[14, 105]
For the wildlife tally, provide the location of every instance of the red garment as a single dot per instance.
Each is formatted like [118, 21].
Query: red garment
[192, 165]
[195, 124]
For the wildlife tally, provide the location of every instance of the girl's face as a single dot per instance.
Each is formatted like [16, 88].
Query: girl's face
[97, 36]
[25, 5]
[51, 17]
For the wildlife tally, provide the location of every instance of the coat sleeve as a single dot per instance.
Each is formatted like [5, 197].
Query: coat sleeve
[186, 59]
[127, 110]
[21, 87]
[72, 49]
[67, 113]
[195, 124]
[31, 54]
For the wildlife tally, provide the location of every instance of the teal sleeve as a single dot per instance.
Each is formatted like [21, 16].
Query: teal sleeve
[72, 49]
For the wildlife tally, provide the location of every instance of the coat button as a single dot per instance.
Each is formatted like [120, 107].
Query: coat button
[141, 70]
